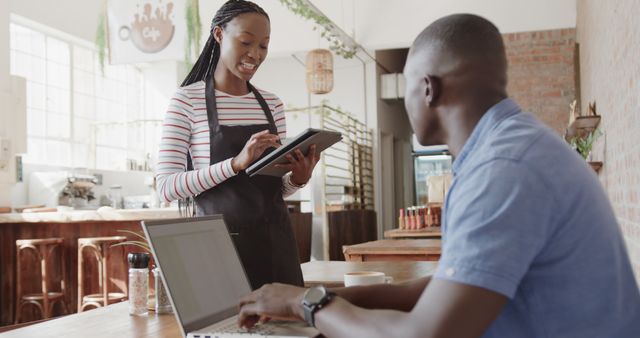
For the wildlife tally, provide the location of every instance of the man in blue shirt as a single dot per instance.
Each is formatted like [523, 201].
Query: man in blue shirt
[531, 246]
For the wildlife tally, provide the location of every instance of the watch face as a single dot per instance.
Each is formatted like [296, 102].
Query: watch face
[314, 295]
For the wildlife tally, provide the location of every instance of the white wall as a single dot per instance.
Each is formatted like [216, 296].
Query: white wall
[5, 184]
[75, 17]
[394, 24]
[380, 24]
[4, 44]
[162, 79]
[285, 77]
[13, 113]
[79, 18]
[375, 23]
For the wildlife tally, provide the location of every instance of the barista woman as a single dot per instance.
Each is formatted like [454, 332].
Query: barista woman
[217, 124]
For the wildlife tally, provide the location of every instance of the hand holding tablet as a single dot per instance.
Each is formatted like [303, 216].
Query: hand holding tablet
[277, 162]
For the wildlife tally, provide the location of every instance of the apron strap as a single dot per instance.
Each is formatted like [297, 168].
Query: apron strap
[212, 118]
[212, 113]
[272, 125]
[212, 109]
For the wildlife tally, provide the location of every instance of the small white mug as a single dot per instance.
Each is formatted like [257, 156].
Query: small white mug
[366, 278]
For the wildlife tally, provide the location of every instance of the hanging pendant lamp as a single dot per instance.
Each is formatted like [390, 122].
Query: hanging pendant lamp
[319, 66]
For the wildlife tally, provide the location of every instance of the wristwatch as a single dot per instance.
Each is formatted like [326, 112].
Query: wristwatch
[315, 299]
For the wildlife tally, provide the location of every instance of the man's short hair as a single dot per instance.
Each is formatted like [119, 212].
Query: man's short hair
[467, 36]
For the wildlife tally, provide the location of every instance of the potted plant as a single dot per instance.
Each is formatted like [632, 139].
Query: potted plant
[584, 145]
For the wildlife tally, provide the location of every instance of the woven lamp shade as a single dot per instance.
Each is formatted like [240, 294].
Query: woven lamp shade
[319, 71]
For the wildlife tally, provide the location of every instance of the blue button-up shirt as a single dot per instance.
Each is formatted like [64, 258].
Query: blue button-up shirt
[526, 217]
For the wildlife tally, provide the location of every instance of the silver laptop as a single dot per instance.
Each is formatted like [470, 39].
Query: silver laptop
[205, 279]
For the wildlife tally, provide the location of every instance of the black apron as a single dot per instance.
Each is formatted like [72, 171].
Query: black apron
[252, 207]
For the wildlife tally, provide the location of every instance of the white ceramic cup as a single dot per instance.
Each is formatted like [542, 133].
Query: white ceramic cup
[366, 278]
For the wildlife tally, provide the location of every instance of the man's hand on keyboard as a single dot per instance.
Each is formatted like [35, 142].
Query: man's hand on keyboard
[279, 301]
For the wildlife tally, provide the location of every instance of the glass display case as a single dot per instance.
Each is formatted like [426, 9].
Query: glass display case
[426, 164]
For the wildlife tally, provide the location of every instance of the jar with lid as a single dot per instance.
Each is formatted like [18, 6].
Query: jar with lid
[138, 283]
[163, 305]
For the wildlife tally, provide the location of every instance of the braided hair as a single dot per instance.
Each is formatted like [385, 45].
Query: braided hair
[210, 54]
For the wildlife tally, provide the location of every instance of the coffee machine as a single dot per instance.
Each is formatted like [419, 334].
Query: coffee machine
[77, 192]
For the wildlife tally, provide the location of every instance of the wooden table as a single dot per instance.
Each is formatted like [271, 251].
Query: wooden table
[431, 232]
[394, 250]
[111, 321]
[331, 273]
[115, 321]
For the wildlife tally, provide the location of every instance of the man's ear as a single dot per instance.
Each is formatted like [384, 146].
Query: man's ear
[217, 34]
[432, 89]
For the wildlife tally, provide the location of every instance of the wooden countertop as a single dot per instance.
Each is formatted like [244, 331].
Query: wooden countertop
[396, 246]
[111, 321]
[394, 250]
[431, 232]
[102, 214]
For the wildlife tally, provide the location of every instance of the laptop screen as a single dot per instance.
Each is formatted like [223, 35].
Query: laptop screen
[203, 273]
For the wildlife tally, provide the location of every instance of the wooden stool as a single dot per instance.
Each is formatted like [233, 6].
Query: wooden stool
[99, 246]
[43, 248]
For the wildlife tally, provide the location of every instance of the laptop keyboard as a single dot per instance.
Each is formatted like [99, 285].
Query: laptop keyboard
[262, 329]
[232, 329]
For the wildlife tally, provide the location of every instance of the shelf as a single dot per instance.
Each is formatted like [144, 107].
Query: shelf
[428, 232]
[582, 126]
[596, 166]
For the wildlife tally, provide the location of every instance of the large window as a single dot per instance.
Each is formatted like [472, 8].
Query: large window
[78, 116]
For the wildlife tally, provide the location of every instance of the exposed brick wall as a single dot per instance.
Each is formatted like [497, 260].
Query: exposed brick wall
[541, 73]
[609, 36]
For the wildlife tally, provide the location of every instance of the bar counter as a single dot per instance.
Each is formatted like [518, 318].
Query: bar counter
[69, 225]
[101, 214]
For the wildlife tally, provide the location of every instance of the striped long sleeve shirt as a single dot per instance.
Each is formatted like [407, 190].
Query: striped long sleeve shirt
[186, 129]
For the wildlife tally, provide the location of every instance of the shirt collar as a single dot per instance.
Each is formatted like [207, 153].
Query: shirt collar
[498, 112]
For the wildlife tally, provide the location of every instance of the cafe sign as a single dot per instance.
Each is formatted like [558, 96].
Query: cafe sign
[146, 30]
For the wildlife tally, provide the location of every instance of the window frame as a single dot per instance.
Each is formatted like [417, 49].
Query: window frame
[71, 140]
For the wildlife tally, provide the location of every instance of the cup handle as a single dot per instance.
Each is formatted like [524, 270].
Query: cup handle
[124, 33]
[388, 279]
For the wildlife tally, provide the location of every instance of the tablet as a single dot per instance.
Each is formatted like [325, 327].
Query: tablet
[323, 139]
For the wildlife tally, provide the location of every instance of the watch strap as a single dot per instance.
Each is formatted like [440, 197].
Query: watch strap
[311, 309]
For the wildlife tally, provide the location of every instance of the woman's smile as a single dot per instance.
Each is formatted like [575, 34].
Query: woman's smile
[248, 67]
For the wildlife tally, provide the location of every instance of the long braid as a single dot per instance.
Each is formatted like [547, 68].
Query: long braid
[210, 54]
[206, 65]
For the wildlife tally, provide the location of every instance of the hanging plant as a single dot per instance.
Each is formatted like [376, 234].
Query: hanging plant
[194, 32]
[301, 8]
[101, 37]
